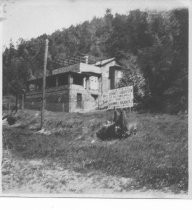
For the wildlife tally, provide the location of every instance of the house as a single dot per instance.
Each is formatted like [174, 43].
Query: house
[75, 87]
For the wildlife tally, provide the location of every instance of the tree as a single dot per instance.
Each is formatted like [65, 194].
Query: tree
[133, 77]
[14, 72]
[164, 63]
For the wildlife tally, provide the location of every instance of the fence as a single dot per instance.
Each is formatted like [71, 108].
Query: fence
[56, 107]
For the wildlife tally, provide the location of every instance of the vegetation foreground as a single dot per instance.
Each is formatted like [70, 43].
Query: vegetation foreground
[68, 157]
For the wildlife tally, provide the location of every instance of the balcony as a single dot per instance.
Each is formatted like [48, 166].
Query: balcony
[48, 90]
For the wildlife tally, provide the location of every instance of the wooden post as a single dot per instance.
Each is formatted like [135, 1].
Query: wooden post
[101, 80]
[100, 85]
[56, 81]
[16, 103]
[9, 107]
[84, 83]
[22, 101]
[44, 83]
[63, 107]
[70, 80]
[88, 83]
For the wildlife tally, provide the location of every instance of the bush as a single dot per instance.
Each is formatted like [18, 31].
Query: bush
[11, 120]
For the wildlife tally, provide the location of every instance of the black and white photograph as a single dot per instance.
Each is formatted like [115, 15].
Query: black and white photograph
[95, 98]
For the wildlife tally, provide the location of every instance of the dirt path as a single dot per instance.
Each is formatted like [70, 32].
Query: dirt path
[42, 176]
[39, 176]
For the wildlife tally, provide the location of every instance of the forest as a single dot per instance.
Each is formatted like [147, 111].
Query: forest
[151, 45]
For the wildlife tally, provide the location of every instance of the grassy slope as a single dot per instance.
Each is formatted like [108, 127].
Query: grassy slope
[156, 157]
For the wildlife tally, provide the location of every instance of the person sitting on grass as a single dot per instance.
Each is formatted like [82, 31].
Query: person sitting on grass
[120, 121]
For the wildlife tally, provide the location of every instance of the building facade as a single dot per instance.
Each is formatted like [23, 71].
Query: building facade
[74, 88]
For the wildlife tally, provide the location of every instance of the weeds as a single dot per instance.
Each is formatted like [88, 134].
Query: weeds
[156, 157]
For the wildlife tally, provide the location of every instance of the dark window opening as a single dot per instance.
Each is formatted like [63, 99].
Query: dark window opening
[78, 80]
[62, 80]
[50, 82]
[94, 96]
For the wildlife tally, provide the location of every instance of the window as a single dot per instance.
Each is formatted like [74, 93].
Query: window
[78, 80]
[94, 83]
[50, 82]
[62, 80]
[95, 97]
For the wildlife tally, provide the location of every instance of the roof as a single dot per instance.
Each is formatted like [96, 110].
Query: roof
[78, 68]
[104, 62]
[71, 68]
[81, 68]
[87, 68]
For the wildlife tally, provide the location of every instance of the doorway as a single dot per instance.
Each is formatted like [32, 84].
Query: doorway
[79, 101]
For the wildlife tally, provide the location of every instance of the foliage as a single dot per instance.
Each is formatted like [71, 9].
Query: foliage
[158, 42]
[14, 72]
[164, 63]
[133, 76]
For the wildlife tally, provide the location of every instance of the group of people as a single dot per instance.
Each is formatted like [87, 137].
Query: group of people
[118, 128]
[120, 123]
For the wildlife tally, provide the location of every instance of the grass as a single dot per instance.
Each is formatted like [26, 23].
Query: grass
[157, 157]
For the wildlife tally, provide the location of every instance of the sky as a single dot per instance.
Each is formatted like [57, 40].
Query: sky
[30, 18]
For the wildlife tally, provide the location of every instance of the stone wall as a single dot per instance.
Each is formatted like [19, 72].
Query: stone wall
[88, 100]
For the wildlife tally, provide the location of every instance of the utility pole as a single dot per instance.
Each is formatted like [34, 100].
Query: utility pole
[22, 101]
[44, 83]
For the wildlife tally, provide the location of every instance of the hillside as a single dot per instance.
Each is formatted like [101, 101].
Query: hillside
[68, 153]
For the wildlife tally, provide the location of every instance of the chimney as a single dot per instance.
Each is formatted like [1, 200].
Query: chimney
[86, 59]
